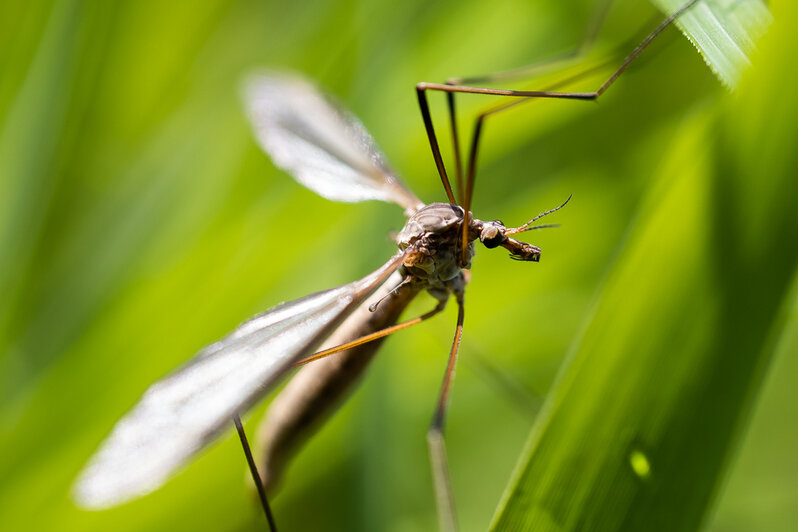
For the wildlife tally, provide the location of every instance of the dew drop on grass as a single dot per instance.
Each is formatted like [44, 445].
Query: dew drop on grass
[640, 464]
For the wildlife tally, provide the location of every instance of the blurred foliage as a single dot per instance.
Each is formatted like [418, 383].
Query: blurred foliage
[139, 222]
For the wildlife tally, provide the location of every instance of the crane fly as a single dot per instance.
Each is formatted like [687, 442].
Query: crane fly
[326, 149]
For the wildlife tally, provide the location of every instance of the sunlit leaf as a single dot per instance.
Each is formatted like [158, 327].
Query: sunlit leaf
[725, 32]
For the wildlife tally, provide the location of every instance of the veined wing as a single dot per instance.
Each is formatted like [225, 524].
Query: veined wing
[180, 414]
[321, 145]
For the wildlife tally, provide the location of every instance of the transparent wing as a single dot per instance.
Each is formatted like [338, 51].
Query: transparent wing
[322, 146]
[180, 414]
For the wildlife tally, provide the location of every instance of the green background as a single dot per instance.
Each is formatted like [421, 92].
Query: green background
[140, 222]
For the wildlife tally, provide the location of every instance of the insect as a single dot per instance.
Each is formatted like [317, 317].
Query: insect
[330, 152]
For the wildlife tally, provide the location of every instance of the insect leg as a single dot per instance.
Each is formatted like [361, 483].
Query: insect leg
[373, 336]
[317, 390]
[433, 140]
[519, 73]
[523, 95]
[524, 72]
[447, 515]
[458, 165]
[253, 469]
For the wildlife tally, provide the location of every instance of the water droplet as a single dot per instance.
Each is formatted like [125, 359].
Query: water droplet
[640, 464]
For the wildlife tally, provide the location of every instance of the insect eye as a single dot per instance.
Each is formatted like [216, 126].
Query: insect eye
[492, 234]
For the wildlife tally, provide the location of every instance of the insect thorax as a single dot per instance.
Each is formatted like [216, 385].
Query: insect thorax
[432, 241]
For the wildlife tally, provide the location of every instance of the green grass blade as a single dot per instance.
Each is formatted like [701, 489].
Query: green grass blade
[642, 423]
[724, 32]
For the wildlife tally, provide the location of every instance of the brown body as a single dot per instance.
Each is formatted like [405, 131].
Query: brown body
[433, 260]
[318, 389]
[432, 246]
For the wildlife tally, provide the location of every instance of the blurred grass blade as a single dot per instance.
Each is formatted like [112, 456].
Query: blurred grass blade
[602, 453]
[641, 424]
[641, 421]
[724, 32]
[31, 133]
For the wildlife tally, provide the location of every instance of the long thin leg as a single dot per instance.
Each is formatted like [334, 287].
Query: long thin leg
[458, 165]
[370, 337]
[433, 140]
[421, 92]
[421, 89]
[524, 72]
[253, 469]
[447, 515]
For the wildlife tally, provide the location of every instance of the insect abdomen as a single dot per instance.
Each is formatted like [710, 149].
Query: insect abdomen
[319, 388]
